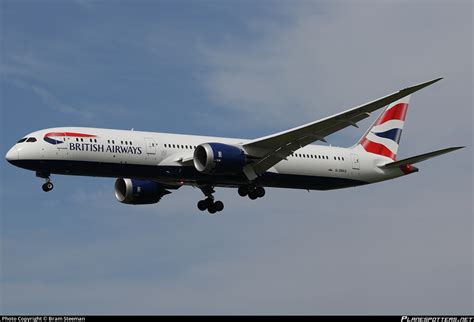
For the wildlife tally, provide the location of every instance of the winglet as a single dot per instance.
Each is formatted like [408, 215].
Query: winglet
[417, 87]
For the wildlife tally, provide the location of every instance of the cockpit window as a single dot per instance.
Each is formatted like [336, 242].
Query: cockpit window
[31, 140]
[22, 140]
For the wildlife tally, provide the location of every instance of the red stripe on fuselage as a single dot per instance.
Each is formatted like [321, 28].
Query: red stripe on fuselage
[377, 148]
[398, 112]
[72, 134]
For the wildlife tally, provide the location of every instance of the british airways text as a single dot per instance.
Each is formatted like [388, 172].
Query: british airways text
[93, 147]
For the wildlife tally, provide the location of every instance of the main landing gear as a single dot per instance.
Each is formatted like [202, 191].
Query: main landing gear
[209, 204]
[251, 191]
[48, 185]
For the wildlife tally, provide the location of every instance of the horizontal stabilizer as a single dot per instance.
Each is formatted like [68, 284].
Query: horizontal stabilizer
[419, 158]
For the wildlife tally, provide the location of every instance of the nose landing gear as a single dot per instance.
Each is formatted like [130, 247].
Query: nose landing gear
[48, 185]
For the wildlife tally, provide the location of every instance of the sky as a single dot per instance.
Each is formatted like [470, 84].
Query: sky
[239, 69]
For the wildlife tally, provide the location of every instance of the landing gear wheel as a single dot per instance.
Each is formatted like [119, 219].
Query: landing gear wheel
[260, 192]
[209, 203]
[202, 205]
[243, 191]
[219, 205]
[253, 195]
[48, 186]
[212, 209]
[205, 204]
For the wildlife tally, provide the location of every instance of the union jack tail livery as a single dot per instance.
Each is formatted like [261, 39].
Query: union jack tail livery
[383, 137]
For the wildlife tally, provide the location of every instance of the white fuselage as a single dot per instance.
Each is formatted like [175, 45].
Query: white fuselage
[168, 158]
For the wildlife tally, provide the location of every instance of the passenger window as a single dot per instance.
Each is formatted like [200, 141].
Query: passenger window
[22, 140]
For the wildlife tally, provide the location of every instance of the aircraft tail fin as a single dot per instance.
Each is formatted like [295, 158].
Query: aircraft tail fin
[383, 136]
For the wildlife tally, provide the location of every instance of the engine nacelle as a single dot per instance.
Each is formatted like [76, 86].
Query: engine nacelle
[219, 158]
[138, 192]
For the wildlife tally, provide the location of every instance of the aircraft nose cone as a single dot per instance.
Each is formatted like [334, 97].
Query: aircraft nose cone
[12, 155]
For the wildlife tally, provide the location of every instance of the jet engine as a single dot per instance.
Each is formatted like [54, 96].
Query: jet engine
[218, 158]
[138, 192]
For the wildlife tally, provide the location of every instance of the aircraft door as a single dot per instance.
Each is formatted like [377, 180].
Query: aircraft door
[150, 146]
[355, 161]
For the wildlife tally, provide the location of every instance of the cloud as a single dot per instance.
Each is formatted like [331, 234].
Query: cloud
[26, 64]
[327, 58]
[52, 101]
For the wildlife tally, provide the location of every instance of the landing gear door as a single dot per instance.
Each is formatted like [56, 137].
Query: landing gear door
[355, 161]
[150, 146]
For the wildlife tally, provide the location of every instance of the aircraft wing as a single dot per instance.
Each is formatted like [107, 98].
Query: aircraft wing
[269, 150]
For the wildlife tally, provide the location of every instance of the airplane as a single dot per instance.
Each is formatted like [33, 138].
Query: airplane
[148, 165]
